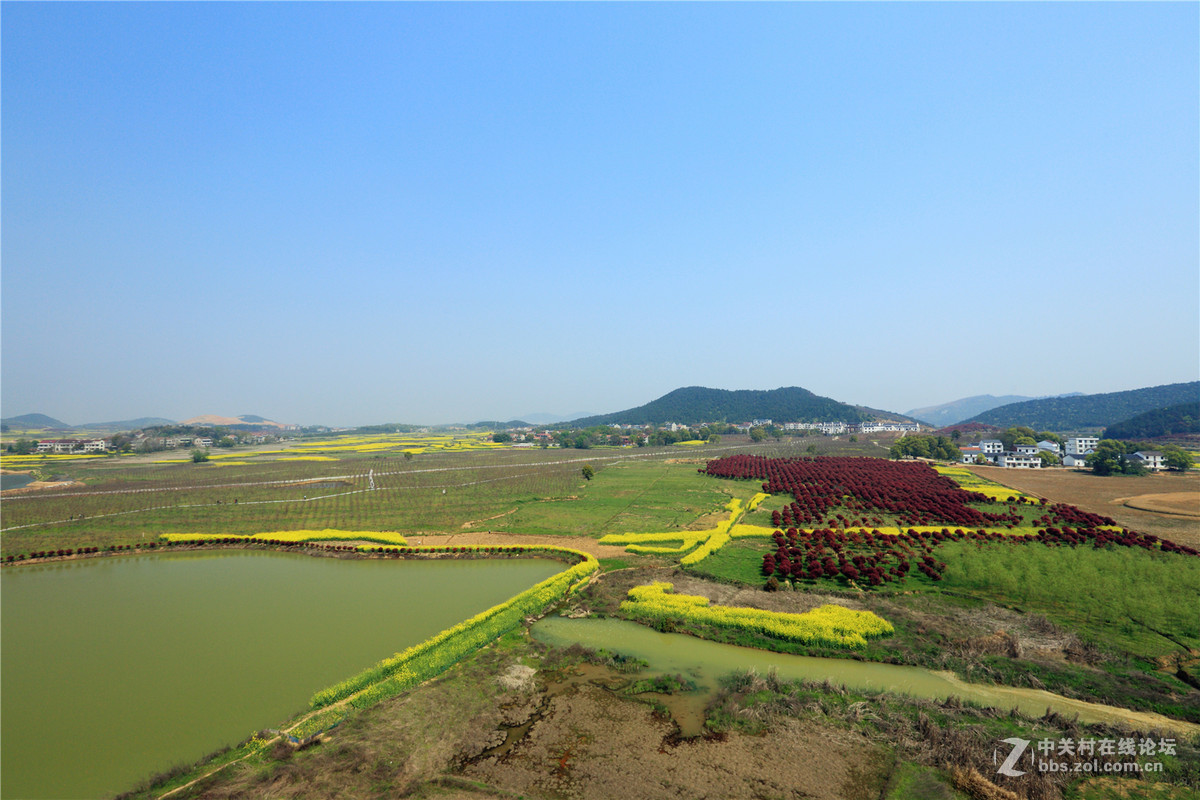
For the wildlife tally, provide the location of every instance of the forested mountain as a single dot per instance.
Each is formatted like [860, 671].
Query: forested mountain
[34, 421]
[1173, 420]
[699, 404]
[1088, 411]
[959, 410]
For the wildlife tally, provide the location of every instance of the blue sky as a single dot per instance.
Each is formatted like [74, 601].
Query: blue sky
[355, 213]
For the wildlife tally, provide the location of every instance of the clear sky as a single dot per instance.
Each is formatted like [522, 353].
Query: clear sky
[356, 213]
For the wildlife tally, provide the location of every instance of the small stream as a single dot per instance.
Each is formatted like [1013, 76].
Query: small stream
[705, 662]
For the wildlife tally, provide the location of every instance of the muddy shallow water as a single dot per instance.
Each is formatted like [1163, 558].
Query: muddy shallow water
[113, 668]
[705, 662]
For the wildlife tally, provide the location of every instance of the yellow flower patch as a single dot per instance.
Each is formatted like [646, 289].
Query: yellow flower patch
[328, 534]
[829, 625]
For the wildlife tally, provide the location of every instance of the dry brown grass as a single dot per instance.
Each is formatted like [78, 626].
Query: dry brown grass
[592, 744]
[1107, 495]
[583, 741]
[979, 787]
[1184, 503]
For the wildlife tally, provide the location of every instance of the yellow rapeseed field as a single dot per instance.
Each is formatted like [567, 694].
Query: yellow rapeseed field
[830, 625]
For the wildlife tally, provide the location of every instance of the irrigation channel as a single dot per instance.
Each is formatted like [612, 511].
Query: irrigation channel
[705, 662]
[115, 668]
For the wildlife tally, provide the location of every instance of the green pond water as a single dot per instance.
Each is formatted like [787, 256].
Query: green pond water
[112, 669]
[14, 480]
[705, 662]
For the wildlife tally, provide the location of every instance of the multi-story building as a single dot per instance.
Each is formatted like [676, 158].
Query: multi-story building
[57, 445]
[885, 427]
[1018, 461]
[1081, 445]
[827, 428]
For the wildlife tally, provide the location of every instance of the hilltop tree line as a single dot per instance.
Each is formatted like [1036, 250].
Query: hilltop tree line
[1092, 411]
[693, 404]
[1171, 421]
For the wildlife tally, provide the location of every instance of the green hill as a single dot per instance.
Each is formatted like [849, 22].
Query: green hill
[695, 404]
[1089, 411]
[33, 421]
[1170, 421]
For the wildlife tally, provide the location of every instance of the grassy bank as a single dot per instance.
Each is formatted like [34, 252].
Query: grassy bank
[557, 727]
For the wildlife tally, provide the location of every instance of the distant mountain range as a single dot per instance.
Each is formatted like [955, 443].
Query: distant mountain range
[543, 418]
[948, 414]
[244, 421]
[1088, 411]
[41, 421]
[695, 404]
[44, 422]
[958, 410]
[33, 421]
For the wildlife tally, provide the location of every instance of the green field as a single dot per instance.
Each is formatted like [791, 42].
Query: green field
[1113, 625]
[444, 491]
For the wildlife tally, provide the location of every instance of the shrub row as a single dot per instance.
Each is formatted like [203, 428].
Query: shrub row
[71, 551]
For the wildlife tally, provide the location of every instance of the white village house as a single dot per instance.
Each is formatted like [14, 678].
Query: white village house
[1019, 461]
[991, 447]
[1150, 459]
[1082, 445]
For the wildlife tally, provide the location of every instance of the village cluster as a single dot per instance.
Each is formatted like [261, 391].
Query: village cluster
[141, 440]
[1025, 456]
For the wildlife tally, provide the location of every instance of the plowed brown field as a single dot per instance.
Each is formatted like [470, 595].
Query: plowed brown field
[1108, 495]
